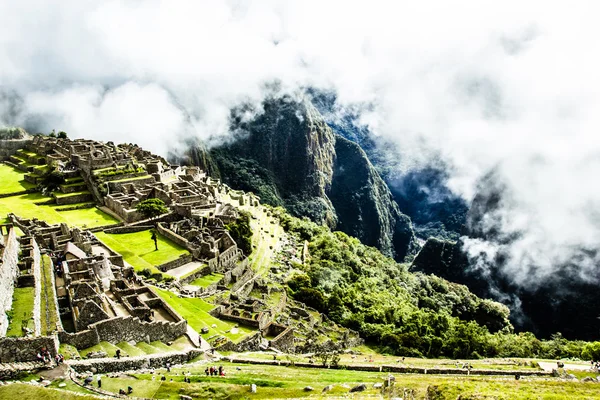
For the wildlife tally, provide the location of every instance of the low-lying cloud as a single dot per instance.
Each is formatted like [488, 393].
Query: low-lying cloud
[506, 86]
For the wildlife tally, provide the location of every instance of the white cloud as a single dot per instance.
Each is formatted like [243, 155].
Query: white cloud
[481, 84]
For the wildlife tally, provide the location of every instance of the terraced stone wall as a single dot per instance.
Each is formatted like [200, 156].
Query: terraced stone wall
[9, 271]
[26, 348]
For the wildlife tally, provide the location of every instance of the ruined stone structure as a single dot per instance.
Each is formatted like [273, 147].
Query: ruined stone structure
[99, 296]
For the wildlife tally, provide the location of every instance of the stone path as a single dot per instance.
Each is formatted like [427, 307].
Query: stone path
[184, 269]
[197, 340]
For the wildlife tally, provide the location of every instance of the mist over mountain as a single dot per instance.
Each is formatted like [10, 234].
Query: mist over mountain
[422, 193]
[290, 157]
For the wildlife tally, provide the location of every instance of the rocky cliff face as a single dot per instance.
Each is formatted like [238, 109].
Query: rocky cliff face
[289, 156]
[364, 204]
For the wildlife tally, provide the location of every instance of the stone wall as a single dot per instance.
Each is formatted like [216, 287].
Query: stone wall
[178, 262]
[37, 274]
[120, 329]
[118, 186]
[80, 340]
[248, 275]
[79, 198]
[59, 325]
[241, 320]
[128, 229]
[393, 368]
[284, 341]
[10, 147]
[105, 365]
[200, 272]
[25, 348]
[172, 236]
[9, 271]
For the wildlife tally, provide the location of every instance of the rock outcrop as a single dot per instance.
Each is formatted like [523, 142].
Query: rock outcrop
[290, 157]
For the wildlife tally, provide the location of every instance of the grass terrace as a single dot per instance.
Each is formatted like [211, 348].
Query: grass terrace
[207, 280]
[12, 180]
[22, 309]
[25, 207]
[274, 382]
[138, 249]
[195, 311]
[48, 317]
[23, 391]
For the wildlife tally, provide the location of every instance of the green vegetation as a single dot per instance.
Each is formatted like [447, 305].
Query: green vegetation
[48, 317]
[247, 175]
[405, 313]
[129, 349]
[12, 180]
[51, 180]
[25, 207]
[289, 382]
[138, 250]
[195, 311]
[207, 280]
[21, 314]
[23, 391]
[241, 232]
[152, 208]
[109, 348]
[70, 352]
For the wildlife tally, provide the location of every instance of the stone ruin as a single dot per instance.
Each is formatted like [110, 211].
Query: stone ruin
[97, 293]
[100, 298]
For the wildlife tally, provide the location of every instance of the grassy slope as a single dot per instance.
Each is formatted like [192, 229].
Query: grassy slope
[207, 280]
[138, 249]
[27, 392]
[22, 308]
[11, 180]
[24, 207]
[48, 325]
[288, 382]
[195, 311]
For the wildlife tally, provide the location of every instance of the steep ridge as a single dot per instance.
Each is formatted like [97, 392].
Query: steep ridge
[420, 193]
[289, 156]
[364, 204]
[562, 302]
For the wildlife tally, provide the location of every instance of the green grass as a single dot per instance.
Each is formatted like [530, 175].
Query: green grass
[24, 207]
[132, 179]
[141, 388]
[22, 308]
[48, 325]
[207, 280]
[138, 249]
[60, 195]
[109, 348]
[263, 244]
[289, 382]
[70, 352]
[195, 311]
[130, 350]
[12, 180]
[148, 348]
[23, 391]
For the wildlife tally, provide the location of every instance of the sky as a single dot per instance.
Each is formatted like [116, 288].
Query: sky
[507, 86]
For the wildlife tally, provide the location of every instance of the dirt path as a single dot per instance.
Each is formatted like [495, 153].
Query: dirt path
[548, 366]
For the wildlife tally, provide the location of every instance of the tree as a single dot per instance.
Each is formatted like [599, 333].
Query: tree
[62, 135]
[241, 232]
[152, 208]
